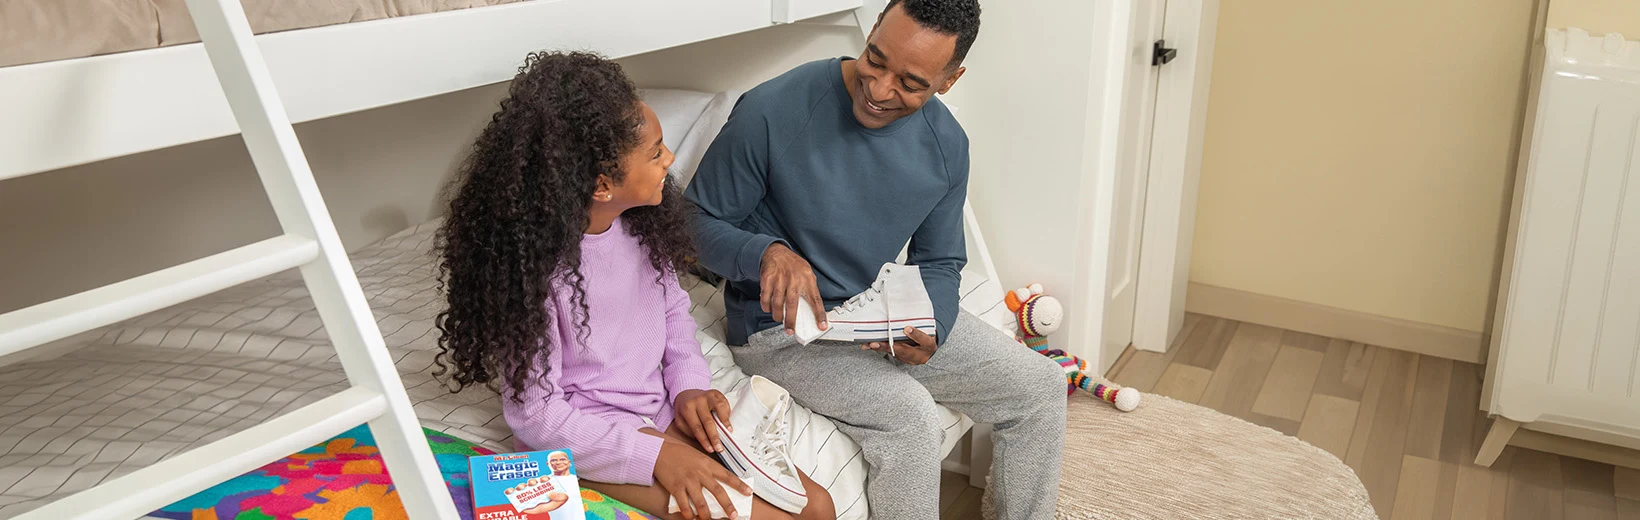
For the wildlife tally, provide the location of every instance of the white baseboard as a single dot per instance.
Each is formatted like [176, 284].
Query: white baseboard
[1332, 322]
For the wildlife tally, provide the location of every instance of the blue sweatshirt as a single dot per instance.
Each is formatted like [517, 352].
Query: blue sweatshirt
[793, 165]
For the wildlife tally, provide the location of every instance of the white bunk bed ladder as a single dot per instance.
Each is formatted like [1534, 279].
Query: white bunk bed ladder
[310, 243]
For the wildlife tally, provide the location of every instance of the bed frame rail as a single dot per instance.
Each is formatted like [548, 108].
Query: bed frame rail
[311, 243]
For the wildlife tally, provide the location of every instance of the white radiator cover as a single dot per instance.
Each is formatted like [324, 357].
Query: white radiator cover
[1569, 335]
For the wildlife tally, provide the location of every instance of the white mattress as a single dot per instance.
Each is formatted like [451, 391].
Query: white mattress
[147, 389]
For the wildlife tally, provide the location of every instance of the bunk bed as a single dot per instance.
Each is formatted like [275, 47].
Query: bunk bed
[94, 107]
[150, 390]
[38, 31]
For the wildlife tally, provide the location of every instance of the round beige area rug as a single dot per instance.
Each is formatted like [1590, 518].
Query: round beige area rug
[1174, 460]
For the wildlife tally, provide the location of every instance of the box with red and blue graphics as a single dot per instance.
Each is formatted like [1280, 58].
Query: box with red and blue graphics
[530, 485]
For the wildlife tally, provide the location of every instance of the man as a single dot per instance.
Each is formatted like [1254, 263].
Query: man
[818, 178]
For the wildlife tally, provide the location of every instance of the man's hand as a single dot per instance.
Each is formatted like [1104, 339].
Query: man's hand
[906, 351]
[694, 409]
[785, 278]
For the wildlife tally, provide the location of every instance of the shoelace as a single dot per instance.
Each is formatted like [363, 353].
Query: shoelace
[888, 321]
[879, 288]
[774, 438]
[859, 300]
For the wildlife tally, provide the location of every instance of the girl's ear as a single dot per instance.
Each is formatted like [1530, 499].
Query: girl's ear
[605, 190]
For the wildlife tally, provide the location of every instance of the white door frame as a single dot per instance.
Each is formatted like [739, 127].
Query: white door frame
[1175, 143]
[1112, 62]
[1175, 170]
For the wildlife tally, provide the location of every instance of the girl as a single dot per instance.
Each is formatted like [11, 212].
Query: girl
[559, 259]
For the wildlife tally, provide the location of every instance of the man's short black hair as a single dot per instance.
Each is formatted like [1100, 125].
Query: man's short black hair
[956, 17]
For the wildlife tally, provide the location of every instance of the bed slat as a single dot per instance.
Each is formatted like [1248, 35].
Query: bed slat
[32, 326]
[145, 490]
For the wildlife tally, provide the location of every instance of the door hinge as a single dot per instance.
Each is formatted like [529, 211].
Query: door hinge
[1161, 54]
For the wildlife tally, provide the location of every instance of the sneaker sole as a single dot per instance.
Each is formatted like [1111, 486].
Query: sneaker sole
[766, 486]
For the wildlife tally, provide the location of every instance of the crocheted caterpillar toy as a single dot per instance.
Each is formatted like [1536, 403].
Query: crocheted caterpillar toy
[1039, 315]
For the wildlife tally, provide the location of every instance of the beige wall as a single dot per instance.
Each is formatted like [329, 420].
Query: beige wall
[1357, 153]
[1022, 103]
[380, 171]
[1597, 16]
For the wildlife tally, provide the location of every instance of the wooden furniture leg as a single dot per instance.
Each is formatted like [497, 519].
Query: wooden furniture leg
[1496, 439]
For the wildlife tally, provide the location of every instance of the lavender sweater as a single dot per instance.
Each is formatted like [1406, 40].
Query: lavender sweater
[639, 354]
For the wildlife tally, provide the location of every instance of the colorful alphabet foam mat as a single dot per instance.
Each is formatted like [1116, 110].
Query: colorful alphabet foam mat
[344, 479]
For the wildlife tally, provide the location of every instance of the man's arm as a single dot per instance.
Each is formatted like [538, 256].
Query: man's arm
[940, 251]
[730, 182]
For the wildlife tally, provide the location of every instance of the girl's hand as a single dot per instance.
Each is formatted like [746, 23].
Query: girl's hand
[694, 409]
[687, 474]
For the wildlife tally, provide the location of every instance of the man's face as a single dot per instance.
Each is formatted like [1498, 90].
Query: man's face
[903, 66]
[559, 463]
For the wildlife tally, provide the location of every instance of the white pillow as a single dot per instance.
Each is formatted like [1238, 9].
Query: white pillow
[700, 137]
[677, 109]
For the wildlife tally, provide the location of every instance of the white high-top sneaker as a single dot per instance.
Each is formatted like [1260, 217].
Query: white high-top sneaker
[761, 442]
[896, 300]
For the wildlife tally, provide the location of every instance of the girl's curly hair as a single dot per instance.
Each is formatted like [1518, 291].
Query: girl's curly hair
[521, 206]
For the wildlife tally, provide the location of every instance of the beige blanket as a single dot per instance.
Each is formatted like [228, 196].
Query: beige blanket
[44, 30]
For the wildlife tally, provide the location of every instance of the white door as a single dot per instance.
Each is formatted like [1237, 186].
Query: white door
[1127, 203]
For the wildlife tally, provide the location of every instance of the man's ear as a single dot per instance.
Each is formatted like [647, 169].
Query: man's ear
[952, 80]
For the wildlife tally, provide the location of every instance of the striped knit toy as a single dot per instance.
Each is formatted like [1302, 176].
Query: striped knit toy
[1039, 315]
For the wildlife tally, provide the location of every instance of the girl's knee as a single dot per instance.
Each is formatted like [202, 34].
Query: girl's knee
[820, 506]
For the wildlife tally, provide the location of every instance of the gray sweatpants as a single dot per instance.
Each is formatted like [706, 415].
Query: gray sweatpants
[888, 407]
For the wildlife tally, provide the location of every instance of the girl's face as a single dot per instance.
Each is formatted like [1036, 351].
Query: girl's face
[645, 167]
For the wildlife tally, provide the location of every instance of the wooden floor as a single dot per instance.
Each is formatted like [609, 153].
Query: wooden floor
[958, 500]
[1408, 424]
